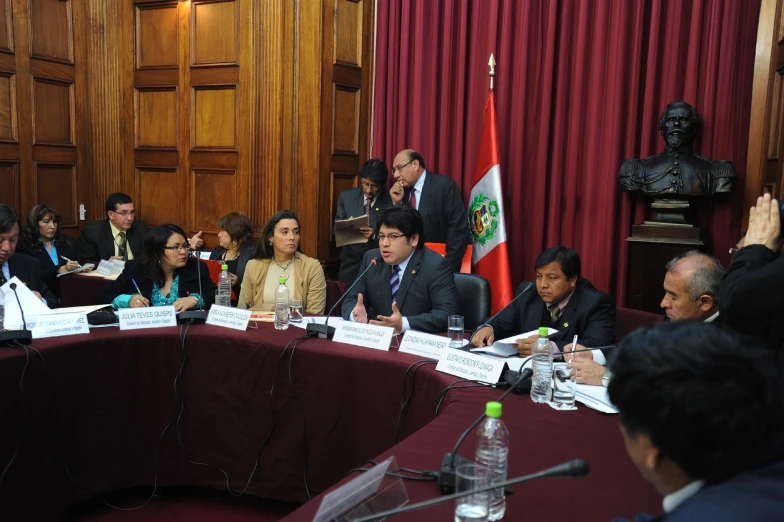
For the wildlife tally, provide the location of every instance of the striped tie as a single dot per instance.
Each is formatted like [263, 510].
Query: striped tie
[367, 206]
[394, 281]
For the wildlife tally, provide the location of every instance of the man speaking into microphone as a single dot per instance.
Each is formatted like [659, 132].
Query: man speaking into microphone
[414, 288]
[563, 301]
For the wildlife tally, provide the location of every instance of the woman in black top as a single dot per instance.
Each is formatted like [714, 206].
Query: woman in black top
[236, 246]
[42, 238]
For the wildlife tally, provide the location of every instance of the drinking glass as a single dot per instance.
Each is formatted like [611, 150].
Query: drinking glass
[471, 508]
[455, 331]
[564, 388]
[296, 310]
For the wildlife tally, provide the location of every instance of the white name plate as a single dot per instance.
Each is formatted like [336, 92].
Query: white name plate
[366, 335]
[107, 268]
[148, 317]
[119, 266]
[228, 317]
[424, 344]
[58, 325]
[470, 366]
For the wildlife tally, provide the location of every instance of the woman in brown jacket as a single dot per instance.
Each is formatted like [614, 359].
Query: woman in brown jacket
[278, 255]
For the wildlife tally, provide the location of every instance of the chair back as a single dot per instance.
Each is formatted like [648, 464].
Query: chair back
[628, 320]
[214, 266]
[465, 267]
[473, 297]
[334, 290]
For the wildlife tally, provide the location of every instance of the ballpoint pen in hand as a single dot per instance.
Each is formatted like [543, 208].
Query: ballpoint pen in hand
[136, 286]
[574, 347]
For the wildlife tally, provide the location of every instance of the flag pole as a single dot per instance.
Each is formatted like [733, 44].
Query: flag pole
[491, 63]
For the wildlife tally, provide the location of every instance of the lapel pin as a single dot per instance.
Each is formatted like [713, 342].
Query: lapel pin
[413, 271]
[566, 325]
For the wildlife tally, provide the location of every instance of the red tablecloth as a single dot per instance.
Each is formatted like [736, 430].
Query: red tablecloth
[81, 290]
[115, 394]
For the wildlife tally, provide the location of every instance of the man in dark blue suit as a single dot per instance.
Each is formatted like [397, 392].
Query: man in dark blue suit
[437, 199]
[412, 287]
[701, 416]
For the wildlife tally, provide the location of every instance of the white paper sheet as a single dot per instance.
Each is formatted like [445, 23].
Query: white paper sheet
[77, 270]
[507, 347]
[30, 304]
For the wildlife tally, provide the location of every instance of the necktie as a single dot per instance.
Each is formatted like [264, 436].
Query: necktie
[394, 281]
[367, 206]
[121, 245]
[3, 280]
[413, 200]
[555, 312]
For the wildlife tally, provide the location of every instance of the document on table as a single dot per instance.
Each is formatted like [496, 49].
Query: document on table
[508, 347]
[76, 309]
[77, 270]
[30, 304]
[595, 397]
[347, 230]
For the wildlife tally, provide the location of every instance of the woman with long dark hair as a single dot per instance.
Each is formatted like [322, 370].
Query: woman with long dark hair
[165, 274]
[278, 255]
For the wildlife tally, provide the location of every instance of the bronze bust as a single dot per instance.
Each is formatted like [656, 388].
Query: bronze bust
[678, 173]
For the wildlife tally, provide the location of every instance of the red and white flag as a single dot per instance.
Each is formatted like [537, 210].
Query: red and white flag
[486, 214]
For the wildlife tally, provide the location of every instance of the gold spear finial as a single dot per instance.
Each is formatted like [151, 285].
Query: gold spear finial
[491, 63]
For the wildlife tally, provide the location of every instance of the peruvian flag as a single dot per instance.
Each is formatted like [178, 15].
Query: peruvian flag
[486, 214]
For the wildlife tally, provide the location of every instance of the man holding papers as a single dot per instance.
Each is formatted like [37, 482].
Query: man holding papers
[413, 287]
[563, 301]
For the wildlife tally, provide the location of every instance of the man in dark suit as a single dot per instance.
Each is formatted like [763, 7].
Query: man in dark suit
[701, 417]
[370, 198]
[25, 268]
[413, 288]
[437, 199]
[119, 236]
[563, 301]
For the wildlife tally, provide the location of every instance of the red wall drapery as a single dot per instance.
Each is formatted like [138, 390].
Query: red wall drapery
[580, 86]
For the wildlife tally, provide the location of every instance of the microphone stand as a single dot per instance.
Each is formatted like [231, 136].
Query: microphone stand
[573, 468]
[200, 315]
[17, 335]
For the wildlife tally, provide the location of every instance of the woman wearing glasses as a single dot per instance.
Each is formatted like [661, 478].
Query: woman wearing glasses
[278, 255]
[164, 275]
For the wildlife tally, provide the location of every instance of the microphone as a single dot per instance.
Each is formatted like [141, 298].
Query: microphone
[450, 462]
[17, 335]
[527, 288]
[200, 315]
[573, 468]
[324, 331]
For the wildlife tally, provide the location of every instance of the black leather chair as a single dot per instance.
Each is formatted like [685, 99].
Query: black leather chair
[473, 299]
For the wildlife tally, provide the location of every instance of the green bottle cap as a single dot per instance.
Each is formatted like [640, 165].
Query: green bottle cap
[543, 331]
[282, 280]
[493, 409]
[224, 266]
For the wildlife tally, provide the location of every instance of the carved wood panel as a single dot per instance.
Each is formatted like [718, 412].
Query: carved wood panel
[56, 186]
[156, 36]
[8, 124]
[53, 112]
[215, 33]
[6, 26]
[157, 124]
[159, 207]
[51, 30]
[9, 180]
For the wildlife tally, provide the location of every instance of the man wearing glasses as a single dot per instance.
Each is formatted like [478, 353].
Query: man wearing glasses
[437, 199]
[370, 198]
[119, 236]
[411, 287]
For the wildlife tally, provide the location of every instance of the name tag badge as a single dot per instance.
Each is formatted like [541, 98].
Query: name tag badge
[470, 366]
[148, 317]
[424, 344]
[228, 317]
[365, 335]
[58, 325]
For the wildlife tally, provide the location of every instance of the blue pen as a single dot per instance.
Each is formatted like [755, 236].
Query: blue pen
[137, 286]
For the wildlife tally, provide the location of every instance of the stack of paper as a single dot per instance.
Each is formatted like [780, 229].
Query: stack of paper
[508, 347]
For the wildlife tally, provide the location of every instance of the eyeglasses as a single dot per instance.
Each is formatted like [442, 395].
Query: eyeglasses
[126, 213]
[175, 248]
[391, 237]
[401, 167]
[370, 186]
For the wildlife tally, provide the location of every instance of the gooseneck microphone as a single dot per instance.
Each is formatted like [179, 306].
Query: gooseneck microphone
[573, 468]
[324, 331]
[510, 303]
[17, 335]
[200, 315]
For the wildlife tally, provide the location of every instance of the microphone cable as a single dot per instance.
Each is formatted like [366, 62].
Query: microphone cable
[302, 416]
[406, 399]
[23, 420]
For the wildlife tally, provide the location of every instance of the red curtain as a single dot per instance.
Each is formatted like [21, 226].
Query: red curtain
[580, 87]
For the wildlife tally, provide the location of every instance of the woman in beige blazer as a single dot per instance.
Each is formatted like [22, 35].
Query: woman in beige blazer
[278, 255]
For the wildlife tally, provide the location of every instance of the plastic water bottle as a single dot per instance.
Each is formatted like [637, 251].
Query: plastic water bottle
[282, 305]
[492, 451]
[223, 297]
[542, 364]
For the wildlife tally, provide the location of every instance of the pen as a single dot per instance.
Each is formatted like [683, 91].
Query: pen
[574, 345]
[140, 292]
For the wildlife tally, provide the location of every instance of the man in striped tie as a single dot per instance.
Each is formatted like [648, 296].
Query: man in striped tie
[414, 288]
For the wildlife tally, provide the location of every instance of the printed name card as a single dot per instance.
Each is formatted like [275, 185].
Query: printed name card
[423, 344]
[58, 325]
[470, 366]
[366, 335]
[148, 317]
[107, 268]
[119, 264]
[228, 317]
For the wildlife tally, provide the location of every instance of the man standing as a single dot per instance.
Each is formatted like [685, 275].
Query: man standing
[119, 236]
[437, 199]
[370, 198]
[413, 288]
[701, 417]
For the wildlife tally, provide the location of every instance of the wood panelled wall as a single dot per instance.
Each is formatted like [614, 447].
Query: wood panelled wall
[195, 108]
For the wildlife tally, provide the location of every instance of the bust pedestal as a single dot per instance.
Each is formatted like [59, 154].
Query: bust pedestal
[650, 248]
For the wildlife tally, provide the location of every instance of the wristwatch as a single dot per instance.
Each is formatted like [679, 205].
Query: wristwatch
[606, 378]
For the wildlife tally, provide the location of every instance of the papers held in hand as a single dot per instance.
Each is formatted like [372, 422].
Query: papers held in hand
[82, 268]
[347, 230]
[508, 347]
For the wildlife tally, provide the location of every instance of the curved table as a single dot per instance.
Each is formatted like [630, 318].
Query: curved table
[115, 394]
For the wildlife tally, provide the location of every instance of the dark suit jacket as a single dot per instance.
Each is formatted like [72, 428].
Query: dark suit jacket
[427, 295]
[28, 270]
[351, 203]
[97, 242]
[444, 215]
[246, 254]
[754, 496]
[188, 284]
[590, 314]
[65, 247]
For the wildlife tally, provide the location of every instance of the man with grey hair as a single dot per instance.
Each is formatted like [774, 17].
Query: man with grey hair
[691, 287]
